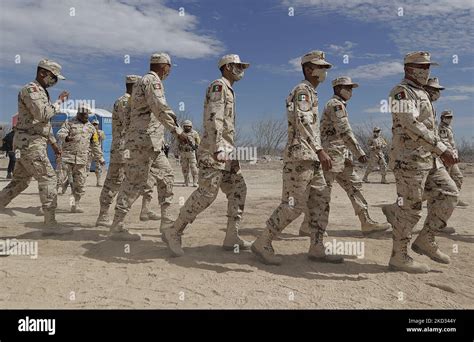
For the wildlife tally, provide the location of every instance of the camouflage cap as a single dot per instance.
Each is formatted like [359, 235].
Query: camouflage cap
[377, 129]
[316, 57]
[52, 66]
[232, 59]
[132, 79]
[187, 123]
[447, 113]
[160, 58]
[95, 122]
[344, 80]
[419, 57]
[434, 83]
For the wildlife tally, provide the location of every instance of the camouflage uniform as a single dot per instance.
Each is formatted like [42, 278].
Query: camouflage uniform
[304, 186]
[187, 156]
[32, 133]
[75, 154]
[218, 138]
[340, 143]
[376, 158]
[149, 116]
[418, 173]
[446, 134]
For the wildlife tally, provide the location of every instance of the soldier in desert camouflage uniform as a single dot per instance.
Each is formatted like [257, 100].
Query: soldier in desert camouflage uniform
[340, 143]
[187, 153]
[33, 132]
[418, 171]
[217, 169]
[76, 136]
[304, 186]
[149, 116]
[376, 144]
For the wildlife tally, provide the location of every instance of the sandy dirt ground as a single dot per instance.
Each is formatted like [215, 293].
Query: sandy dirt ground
[85, 270]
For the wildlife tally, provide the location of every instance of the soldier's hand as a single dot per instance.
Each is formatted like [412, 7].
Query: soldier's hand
[63, 96]
[325, 160]
[363, 159]
[220, 156]
[57, 150]
[448, 158]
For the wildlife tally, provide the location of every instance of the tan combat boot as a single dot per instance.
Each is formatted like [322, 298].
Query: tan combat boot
[461, 203]
[232, 238]
[263, 249]
[401, 261]
[40, 212]
[369, 226]
[171, 235]
[317, 251]
[186, 180]
[103, 219]
[52, 227]
[76, 207]
[119, 233]
[147, 214]
[384, 180]
[366, 178]
[195, 183]
[425, 244]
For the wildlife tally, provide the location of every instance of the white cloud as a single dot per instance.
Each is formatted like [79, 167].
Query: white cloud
[345, 48]
[374, 109]
[375, 71]
[462, 88]
[440, 26]
[451, 98]
[106, 28]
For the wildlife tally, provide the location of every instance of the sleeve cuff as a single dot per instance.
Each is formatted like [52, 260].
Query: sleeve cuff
[440, 148]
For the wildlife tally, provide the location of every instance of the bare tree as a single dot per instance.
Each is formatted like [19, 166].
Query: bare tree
[465, 149]
[269, 135]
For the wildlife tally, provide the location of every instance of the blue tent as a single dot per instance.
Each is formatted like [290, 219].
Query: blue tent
[105, 123]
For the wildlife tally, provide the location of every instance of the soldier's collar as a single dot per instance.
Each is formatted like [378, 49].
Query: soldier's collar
[308, 83]
[226, 81]
[127, 95]
[154, 73]
[337, 97]
[411, 83]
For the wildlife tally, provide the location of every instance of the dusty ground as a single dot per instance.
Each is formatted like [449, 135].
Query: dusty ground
[84, 270]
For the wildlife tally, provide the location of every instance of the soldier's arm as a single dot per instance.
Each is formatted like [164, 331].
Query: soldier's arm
[214, 118]
[63, 132]
[303, 117]
[343, 128]
[95, 149]
[157, 102]
[416, 130]
[40, 109]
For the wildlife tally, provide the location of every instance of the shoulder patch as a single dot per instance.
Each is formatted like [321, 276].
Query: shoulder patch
[216, 88]
[215, 92]
[337, 108]
[400, 95]
[156, 85]
[302, 100]
[32, 89]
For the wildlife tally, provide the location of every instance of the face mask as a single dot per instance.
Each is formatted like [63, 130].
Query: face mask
[187, 129]
[345, 94]
[49, 81]
[421, 76]
[237, 72]
[434, 94]
[447, 121]
[320, 74]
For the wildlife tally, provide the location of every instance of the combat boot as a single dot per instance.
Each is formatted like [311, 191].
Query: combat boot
[171, 235]
[384, 180]
[446, 230]
[9, 175]
[186, 180]
[366, 178]
[103, 219]
[461, 203]
[369, 226]
[195, 183]
[317, 251]
[52, 227]
[263, 249]
[425, 244]
[147, 214]
[166, 219]
[119, 233]
[389, 212]
[40, 212]
[232, 238]
[76, 208]
[401, 261]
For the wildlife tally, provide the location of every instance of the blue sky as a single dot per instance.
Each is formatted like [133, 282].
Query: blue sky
[91, 45]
